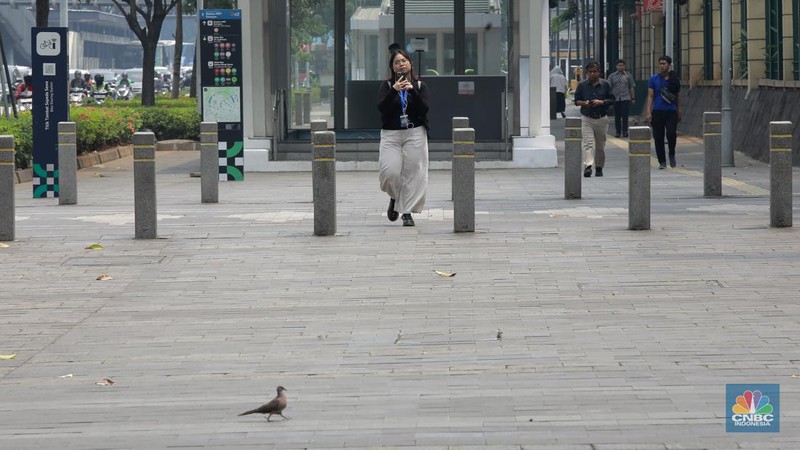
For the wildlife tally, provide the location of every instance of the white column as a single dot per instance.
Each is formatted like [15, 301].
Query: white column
[256, 97]
[63, 14]
[535, 147]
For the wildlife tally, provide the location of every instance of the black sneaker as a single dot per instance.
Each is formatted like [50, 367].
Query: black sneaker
[391, 213]
[624, 134]
[598, 172]
[616, 135]
[407, 220]
[672, 162]
[587, 172]
[662, 166]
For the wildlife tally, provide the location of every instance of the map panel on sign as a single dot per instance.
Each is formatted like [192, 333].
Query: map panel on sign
[222, 104]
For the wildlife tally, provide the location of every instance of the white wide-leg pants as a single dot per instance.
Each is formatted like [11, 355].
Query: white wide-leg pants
[404, 168]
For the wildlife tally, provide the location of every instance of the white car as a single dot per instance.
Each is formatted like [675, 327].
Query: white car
[135, 77]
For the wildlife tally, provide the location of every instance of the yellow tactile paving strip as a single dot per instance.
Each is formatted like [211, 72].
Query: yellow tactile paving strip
[748, 189]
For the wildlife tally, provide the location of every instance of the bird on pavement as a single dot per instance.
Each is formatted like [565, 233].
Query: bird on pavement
[274, 406]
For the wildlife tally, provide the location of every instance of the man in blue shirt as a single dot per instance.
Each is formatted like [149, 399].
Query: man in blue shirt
[594, 96]
[663, 110]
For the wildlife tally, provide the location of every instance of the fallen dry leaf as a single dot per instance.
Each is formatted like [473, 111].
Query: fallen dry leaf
[11, 356]
[98, 175]
[104, 277]
[69, 375]
[499, 335]
[445, 274]
[3, 245]
[94, 247]
[105, 382]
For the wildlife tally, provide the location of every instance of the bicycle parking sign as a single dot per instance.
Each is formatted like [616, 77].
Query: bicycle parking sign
[50, 105]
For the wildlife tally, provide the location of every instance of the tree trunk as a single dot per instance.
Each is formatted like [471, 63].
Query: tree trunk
[42, 12]
[176, 65]
[148, 71]
[193, 87]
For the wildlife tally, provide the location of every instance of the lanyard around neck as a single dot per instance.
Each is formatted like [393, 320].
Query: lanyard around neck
[403, 99]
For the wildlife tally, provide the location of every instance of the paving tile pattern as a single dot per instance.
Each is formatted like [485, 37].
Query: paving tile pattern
[561, 329]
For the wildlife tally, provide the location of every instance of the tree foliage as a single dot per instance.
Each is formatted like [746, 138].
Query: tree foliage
[561, 21]
[306, 19]
[145, 18]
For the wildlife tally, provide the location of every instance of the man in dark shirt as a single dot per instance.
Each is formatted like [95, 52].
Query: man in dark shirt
[594, 96]
[622, 86]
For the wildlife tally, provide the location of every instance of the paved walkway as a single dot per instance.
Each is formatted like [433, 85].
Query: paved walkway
[561, 329]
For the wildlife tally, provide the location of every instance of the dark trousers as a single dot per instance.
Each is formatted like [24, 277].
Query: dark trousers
[621, 111]
[664, 122]
[561, 103]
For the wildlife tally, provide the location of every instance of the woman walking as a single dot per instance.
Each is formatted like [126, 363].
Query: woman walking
[403, 104]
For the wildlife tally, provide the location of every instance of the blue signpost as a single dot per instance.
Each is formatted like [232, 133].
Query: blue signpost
[50, 105]
[221, 85]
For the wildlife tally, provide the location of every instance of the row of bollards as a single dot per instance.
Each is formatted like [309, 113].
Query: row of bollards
[780, 163]
[639, 168]
[323, 177]
[144, 177]
[463, 174]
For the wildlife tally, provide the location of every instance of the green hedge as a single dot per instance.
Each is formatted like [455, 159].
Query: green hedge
[22, 130]
[98, 128]
[169, 119]
[112, 123]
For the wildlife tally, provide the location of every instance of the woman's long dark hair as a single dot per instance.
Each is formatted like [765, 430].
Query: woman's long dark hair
[407, 56]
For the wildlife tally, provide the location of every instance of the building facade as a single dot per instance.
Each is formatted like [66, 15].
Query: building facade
[765, 60]
[482, 58]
